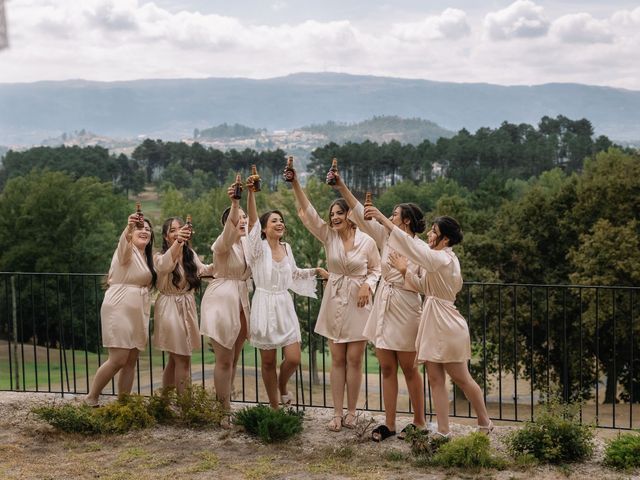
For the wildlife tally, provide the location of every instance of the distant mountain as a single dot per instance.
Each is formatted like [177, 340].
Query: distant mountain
[381, 129]
[172, 109]
[225, 131]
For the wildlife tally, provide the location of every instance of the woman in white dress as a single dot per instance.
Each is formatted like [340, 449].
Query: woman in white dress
[225, 303]
[443, 341]
[393, 323]
[175, 316]
[353, 262]
[124, 314]
[273, 321]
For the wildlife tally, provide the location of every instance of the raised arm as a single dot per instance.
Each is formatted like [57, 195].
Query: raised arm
[301, 197]
[344, 190]
[252, 210]
[418, 252]
[125, 247]
[166, 261]
[230, 232]
[309, 216]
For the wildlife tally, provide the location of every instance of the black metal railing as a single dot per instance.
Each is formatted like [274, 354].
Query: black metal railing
[530, 343]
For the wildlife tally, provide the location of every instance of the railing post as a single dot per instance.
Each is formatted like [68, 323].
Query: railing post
[14, 315]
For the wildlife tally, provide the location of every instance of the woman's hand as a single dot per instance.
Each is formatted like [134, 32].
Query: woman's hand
[335, 175]
[184, 234]
[290, 174]
[133, 219]
[399, 262]
[230, 192]
[373, 212]
[321, 272]
[363, 295]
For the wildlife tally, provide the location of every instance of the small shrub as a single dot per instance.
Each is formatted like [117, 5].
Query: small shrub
[199, 408]
[70, 418]
[423, 443]
[555, 437]
[128, 413]
[623, 452]
[268, 424]
[471, 451]
[160, 405]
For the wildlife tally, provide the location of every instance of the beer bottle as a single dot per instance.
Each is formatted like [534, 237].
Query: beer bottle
[255, 178]
[140, 222]
[237, 188]
[189, 224]
[334, 169]
[367, 203]
[289, 172]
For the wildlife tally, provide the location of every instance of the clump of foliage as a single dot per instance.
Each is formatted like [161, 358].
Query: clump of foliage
[623, 452]
[556, 436]
[268, 424]
[471, 452]
[70, 418]
[195, 407]
[198, 408]
[423, 443]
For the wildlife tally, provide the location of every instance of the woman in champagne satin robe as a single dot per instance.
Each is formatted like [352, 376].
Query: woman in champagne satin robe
[393, 323]
[353, 262]
[443, 341]
[175, 316]
[225, 304]
[125, 310]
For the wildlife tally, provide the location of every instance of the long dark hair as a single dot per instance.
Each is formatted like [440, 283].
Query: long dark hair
[450, 228]
[412, 212]
[264, 218]
[148, 254]
[188, 263]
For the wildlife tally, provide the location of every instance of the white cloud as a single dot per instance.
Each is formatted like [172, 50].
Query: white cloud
[581, 28]
[451, 25]
[521, 19]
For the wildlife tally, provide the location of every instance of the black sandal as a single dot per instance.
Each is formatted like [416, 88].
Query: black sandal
[409, 428]
[383, 433]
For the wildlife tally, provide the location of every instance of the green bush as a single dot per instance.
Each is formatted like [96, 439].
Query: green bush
[199, 408]
[423, 443]
[623, 452]
[71, 418]
[471, 451]
[268, 424]
[128, 413]
[160, 405]
[555, 437]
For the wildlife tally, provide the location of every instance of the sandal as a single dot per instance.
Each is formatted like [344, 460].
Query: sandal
[86, 402]
[381, 432]
[443, 436]
[486, 429]
[353, 423]
[286, 399]
[412, 427]
[335, 426]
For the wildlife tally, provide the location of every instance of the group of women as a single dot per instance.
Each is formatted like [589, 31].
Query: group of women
[365, 252]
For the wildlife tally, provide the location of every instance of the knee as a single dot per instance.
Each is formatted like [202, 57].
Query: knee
[354, 361]
[388, 370]
[225, 363]
[269, 364]
[339, 362]
[294, 360]
[436, 379]
[411, 374]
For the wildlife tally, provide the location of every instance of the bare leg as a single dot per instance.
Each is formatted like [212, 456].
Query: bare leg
[414, 385]
[459, 373]
[270, 376]
[439, 395]
[169, 374]
[115, 362]
[222, 373]
[355, 351]
[182, 371]
[389, 367]
[288, 366]
[338, 374]
[238, 345]
[128, 372]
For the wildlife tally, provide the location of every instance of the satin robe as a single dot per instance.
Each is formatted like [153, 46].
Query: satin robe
[443, 334]
[340, 319]
[124, 314]
[395, 316]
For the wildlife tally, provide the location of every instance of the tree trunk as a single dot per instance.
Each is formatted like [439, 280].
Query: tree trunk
[611, 394]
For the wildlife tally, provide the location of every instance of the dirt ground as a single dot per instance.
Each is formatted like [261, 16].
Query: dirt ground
[31, 449]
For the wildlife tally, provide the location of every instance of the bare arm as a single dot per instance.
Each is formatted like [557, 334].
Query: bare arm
[252, 210]
[344, 191]
[301, 197]
[377, 215]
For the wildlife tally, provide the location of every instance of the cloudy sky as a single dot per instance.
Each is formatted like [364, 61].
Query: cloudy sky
[495, 41]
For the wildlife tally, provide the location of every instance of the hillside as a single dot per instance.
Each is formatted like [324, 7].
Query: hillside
[172, 109]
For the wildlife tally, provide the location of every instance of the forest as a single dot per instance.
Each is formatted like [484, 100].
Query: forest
[545, 204]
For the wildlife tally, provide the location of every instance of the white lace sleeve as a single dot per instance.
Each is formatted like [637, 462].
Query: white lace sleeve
[303, 279]
[254, 244]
